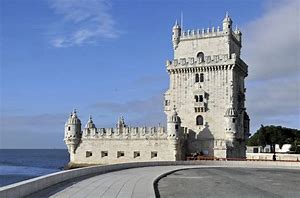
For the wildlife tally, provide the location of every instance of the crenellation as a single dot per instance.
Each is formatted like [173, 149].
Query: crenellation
[128, 132]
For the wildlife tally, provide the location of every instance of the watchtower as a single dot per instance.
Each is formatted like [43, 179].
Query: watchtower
[207, 88]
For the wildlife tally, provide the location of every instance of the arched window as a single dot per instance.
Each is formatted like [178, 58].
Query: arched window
[197, 78]
[200, 57]
[196, 98]
[199, 120]
[201, 77]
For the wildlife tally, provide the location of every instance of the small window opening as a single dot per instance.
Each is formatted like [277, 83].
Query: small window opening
[233, 120]
[104, 153]
[136, 154]
[196, 98]
[199, 120]
[200, 57]
[88, 153]
[197, 78]
[201, 77]
[120, 154]
[176, 127]
[167, 103]
[200, 98]
[153, 154]
[69, 128]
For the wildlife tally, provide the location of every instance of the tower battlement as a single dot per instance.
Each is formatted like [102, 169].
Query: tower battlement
[208, 33]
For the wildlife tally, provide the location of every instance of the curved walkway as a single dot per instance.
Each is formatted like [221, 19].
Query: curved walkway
[136, 182]
[118, 180]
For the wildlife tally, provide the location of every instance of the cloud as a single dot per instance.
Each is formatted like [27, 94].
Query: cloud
[272, 51]
[272, 42]
[83, 22]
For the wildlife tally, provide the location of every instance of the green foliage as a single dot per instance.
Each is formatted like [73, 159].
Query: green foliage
[272, 135]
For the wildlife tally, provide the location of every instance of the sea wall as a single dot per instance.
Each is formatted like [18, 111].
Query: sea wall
[25, 188]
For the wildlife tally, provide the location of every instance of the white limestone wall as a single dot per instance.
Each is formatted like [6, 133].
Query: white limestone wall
[164, 148]
[209, 46]
[216, 87]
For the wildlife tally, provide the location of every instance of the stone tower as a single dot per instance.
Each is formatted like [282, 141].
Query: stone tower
[207, 88]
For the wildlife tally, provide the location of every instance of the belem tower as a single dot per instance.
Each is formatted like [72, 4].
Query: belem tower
[204, 105]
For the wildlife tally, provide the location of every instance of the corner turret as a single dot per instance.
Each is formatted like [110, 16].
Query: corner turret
[230, 128]
[173, 125]
[72, 132]
[176, 35]
[227, 24]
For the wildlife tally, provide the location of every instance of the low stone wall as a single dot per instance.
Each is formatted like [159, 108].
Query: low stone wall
[30, 186]
[269, 156]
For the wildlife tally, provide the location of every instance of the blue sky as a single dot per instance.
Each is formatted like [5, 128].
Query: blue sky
[107, 58]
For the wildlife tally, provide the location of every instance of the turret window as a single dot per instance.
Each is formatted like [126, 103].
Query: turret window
[69, 128]
[199, 120]
[196, 99]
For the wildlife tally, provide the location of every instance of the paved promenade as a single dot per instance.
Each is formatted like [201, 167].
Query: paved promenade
[136, 182]
[231, 182]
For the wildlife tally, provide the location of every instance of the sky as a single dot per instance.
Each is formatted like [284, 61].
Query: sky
[107, 59]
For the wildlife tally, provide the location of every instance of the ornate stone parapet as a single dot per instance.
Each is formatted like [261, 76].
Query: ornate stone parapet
[128, 133]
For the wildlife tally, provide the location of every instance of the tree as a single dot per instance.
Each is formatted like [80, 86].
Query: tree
[272, 135]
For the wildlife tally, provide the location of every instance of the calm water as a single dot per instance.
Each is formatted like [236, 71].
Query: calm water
[21, 164]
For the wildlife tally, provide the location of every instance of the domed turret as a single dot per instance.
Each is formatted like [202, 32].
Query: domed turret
[72, 132]
[90, 124]
[227, 24]
[176, 35]
[90, 128]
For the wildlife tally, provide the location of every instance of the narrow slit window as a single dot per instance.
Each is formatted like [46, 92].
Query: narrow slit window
[197, 78]
[201, 77]
[201, 98]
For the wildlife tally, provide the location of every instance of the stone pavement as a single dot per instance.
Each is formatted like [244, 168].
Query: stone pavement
[136, 182]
